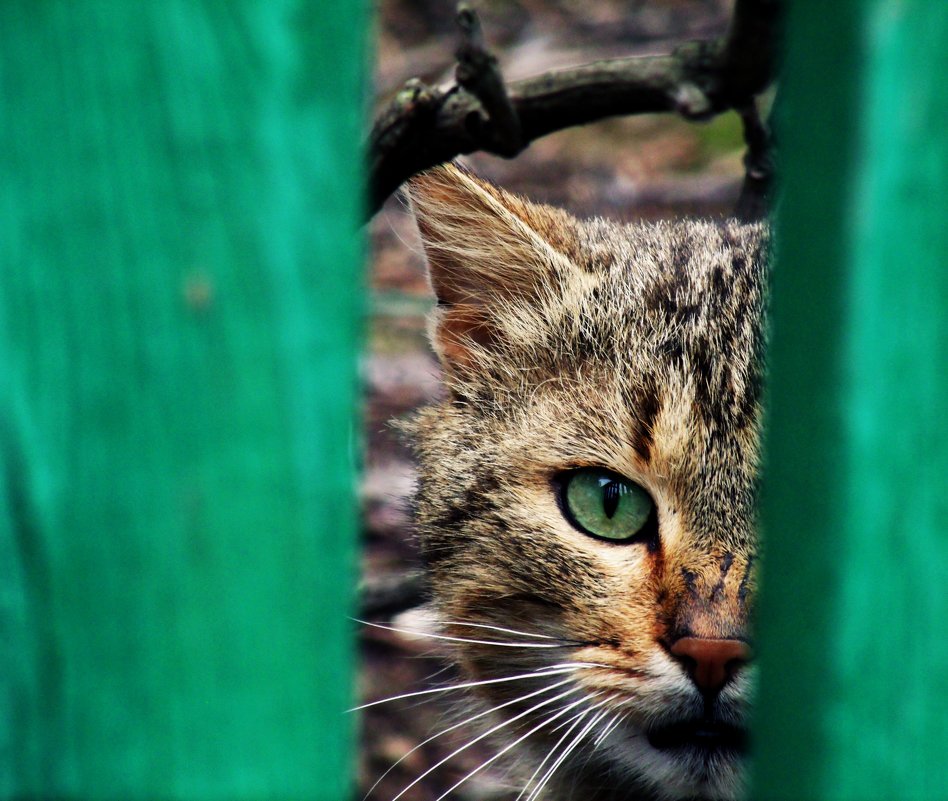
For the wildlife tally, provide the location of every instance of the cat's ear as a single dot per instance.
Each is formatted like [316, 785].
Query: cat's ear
[486, 249]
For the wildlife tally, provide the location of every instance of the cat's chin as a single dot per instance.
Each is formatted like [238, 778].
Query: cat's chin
[691, 760]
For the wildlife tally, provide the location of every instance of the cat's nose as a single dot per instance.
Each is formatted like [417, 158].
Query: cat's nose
[711, 663]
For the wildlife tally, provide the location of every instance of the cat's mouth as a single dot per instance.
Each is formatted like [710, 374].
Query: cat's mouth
[702, 734]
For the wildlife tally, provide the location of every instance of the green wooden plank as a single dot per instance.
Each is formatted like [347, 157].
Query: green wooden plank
[179, 315]
[854, 670]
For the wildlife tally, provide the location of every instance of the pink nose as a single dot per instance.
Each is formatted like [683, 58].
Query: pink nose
[711, 663]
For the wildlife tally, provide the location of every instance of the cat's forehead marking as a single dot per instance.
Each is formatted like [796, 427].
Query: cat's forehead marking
[646, 410]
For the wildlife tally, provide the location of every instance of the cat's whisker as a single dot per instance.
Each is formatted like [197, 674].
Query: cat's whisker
[566, 723]
[431, 677]
[556, 670]
[605, 730]
[592, 707]
[538, 788]
[507, 747]
[465, 722]
[566, 752]
[611, 727]
[489, 732]
[500, 628]
[432, 636]
[575, 721]
[606, 727]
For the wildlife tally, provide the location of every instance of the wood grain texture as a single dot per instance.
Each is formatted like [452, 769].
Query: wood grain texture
[854, 687]
[179, 318]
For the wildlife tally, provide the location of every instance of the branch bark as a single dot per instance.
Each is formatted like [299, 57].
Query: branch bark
[425, 126]
[759, 166]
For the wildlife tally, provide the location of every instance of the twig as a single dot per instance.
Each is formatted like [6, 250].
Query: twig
[423, 126]
[754, 200]
[479, 73]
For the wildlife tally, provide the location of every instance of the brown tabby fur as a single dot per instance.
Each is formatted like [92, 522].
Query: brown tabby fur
[637, 348]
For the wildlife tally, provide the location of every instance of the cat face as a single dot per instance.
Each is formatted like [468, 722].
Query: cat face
[587, 489]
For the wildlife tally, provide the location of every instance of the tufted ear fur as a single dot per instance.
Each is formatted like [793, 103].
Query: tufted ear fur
[487, 250]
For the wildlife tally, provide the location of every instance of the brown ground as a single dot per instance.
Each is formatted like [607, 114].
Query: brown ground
[634, 168]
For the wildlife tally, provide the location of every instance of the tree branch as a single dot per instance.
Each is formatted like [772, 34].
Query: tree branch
[425, 126]
[759, 167]
[479, 73]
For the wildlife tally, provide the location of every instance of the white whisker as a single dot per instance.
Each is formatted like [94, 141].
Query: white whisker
[448, 638]
[487, 733]
[465, 722]
[538, 788]
[497, 628]
[506, 748]
[566, 752]
[610, 727]
[575, 721]
[540, 673]
[564, 724]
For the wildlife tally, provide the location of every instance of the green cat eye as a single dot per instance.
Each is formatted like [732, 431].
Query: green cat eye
[606, 505]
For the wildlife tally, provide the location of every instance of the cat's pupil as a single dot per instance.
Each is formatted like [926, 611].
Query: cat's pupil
[611, 495]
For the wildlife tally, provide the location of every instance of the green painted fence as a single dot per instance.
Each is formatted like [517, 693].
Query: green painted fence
[179, 307]
[854, 689]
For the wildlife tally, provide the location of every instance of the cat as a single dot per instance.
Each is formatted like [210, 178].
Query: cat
[587, 487]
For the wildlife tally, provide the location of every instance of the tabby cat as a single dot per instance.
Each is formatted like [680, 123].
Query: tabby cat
[586, 503]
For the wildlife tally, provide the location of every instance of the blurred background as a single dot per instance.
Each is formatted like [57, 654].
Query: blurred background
[633, 168]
